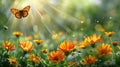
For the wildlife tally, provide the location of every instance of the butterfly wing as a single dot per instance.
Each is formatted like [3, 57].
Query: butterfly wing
[27, 8]
[14, 11]
[25, 13]
[18, 15]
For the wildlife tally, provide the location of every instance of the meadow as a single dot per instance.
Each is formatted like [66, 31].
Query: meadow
[59, 33]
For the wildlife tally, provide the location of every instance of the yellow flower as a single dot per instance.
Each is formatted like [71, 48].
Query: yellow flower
[17, 34]
[83, 44]
[13, 62]
[118, 47]
[56, 56]
[75, 41]
[109, 34]
[8, 45]
[26, 46]
[94, 39]
[38, 41]
[66, 46]
[88, 60]
[104, 49]
[55, 36]
[36, 36]
[34, 58]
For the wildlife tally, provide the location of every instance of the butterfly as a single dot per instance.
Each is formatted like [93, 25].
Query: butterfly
[20, 13]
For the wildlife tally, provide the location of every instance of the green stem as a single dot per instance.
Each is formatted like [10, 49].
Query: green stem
[43, 62]
[113, 48]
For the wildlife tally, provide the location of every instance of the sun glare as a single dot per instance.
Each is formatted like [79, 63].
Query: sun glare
[43, 14]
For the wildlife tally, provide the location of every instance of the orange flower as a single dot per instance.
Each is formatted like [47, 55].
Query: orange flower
[29, 37]
[8, 45]
[56, 56]
[94, 39]
[45, 51]
[71, 63]
[38, 41]
[104, 49]
[115, 43]
[26, 46]
[83, 44]
[75, 64]
[34, 58]
[13, 61]
[66, 46]
[109, 34]
[60, 33]
[88, 60]
[17, 34]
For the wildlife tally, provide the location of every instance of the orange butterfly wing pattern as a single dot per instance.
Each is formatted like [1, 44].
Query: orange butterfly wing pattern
[20, 13]
[27, 8]
[14, 11]
[25, 11]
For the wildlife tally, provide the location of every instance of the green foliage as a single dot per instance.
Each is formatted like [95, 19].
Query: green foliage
[48, 19]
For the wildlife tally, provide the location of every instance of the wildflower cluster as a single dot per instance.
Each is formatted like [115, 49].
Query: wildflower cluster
[91, 51]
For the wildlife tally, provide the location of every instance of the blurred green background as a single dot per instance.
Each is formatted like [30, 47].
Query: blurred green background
[71, 16]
